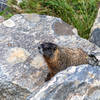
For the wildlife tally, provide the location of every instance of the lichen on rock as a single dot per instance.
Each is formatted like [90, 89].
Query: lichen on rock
[17, 55]
[9, 23]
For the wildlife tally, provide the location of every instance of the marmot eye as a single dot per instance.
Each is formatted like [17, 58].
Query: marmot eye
[46, 49]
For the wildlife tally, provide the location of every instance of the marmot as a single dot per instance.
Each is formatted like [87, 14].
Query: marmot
[59, 58]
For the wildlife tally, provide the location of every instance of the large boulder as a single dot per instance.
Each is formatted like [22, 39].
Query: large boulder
[20, 36]
[95, 31]
[20, 61]
[74, 83]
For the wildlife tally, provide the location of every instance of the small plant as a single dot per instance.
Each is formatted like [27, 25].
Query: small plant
[35, 6]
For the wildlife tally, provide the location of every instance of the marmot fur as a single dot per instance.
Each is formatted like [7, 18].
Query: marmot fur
[59, 58]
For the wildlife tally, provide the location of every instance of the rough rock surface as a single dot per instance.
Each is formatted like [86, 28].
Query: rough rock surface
[74, 83]
[95, 31]
[20, 61]
[10, 91]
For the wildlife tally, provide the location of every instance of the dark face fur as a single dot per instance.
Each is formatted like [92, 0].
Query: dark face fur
[47, 49]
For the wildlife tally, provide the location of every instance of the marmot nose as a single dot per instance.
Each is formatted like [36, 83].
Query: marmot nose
[39, 47]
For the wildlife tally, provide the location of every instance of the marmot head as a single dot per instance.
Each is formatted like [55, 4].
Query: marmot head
[47, 49]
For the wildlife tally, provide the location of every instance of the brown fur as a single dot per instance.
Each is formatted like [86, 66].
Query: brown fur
[63, 58]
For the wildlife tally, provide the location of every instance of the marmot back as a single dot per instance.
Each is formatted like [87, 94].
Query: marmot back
[59, 58]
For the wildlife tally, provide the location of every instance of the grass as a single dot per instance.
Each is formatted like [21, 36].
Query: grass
[79, 13]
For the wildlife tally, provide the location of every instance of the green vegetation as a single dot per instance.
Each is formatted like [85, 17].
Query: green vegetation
[7, 13]
[79, 13]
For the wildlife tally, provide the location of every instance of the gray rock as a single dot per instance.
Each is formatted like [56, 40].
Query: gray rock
[10, 91]
[95, 31]
[20, 61]
[74, 83]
